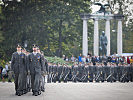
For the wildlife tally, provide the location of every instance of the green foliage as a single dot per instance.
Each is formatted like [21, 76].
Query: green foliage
[55, 25]
[2, 63]
[55, 60]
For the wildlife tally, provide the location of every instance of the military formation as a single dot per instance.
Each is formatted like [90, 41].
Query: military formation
[99, 72]
[29, 71]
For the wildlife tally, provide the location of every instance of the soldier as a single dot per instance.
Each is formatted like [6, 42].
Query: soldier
[98, 70]
[18, 66]
[55, 73]
[49, 72]
[28, 81]
[92, 72]
[60, 72]
[74, 73]
[66, 73]
[10, 74]
[35, 66]
[25, 88]
[107, 72]
[85, 73]
[80, 70]
[42, 83]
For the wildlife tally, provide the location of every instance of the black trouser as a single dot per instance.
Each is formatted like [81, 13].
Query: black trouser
[25, 82]
[35, 82]
[19, 82]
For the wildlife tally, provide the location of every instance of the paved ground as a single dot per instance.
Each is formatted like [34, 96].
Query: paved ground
[73, 91]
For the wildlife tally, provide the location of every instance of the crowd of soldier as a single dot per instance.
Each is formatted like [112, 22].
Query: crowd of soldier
[30, 70]
[99, 72]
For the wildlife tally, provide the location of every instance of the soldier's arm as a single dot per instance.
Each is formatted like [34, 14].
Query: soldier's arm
[28, 62]
[46, 65]
[12, 62]
[42, 63]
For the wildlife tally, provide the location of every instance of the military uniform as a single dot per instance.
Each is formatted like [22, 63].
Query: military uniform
[43, 74]
[74, 73]
[35, 65]
[55, 74]
[66, 73]
[18, 66]
[25, 86]
[60, 73]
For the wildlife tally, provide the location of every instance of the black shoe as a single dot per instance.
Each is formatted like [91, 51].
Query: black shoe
[36, 94]
[19, 94]
[43, 90]
[28, 90]
[24, 91]
[16, 93]
[39, 93]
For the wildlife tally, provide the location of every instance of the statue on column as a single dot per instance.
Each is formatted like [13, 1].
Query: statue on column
[103, 8]
[103, 44]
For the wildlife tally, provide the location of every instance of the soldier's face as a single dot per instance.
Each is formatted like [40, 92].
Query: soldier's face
[18, 48]
[38, 50]
[34, 49]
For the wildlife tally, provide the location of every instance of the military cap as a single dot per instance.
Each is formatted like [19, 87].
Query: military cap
[18, 45]
[34, 46]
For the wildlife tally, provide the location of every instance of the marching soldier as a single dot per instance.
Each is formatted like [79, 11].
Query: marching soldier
[35, 62]
[85, 73]
[25, 90]
[49, 72]
[42, 81]
[55, 73]
[74, 73]
[60, 72]
[91, 72]
[66, 73]
[18, 66]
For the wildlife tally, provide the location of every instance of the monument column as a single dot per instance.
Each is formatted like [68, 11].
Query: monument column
[96, 38]
[107, 32]
[119, 37]
[85, 38]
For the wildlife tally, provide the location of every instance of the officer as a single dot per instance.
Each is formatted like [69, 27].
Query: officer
[85, 73]
[18, 66]
[10, 74]
[80, 70]
[74, 73]
[66, 73]
[49, 72]
[91, 72]
[60, 72]
[54, 73]
[43, 74]
[35, 62]
[25, 88]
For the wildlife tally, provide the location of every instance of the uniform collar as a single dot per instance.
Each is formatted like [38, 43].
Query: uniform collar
[19, 53]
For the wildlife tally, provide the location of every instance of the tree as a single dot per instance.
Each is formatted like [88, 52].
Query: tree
[55, 25]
